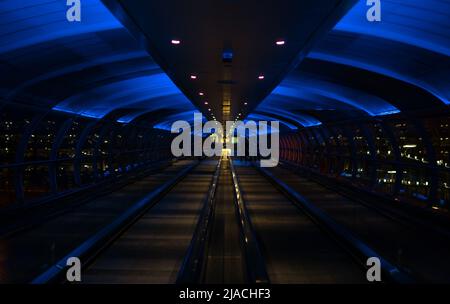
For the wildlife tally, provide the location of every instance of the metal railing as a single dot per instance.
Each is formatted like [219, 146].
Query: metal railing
[195, 258]
[256, 265]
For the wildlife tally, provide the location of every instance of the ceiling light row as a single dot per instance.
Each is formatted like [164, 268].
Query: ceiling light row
[279, 42]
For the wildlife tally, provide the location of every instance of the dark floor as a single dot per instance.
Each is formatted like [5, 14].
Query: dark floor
[226, 262]
[152, 250]
[26, 255]
[295, 247]
[423, 253]
[296, 250]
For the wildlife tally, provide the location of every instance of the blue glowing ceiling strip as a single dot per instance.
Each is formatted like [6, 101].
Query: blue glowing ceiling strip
[371, 67]
[262, 117]
[249, 133]
[424, 24]
[269, 130]
[318, 90]
[178, 105]
[87, 114]
[306, 102]
[81, 66]
[136, 92]
[301, 119]
[29, 22]
[187, 116]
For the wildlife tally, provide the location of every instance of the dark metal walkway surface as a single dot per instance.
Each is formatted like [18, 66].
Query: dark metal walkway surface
[25, 254]
[295, 248]
[214, 222]
[152, 250]
[420, 251]
[225, 261]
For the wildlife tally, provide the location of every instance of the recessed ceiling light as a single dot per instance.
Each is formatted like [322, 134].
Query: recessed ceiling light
[193, 76]
[206, 102]
[280, 42]
[201, 93]
[209, 109]
[261, 77]
[175, 41]
[245, 103]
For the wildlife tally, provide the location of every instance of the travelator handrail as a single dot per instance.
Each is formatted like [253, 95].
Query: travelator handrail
[411, 215]
[256, 265]
[57, 204]
[195, 259]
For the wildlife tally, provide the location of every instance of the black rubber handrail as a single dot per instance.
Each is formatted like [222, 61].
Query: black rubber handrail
[256, 265]
[195, 259]
[416, 217]
[90, 248]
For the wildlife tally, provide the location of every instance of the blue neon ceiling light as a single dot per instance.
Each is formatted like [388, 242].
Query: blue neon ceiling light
[177, 103]
[29, 22]
[187, 116]
[116, 74]
[141, 92]
[90, 62]
[311, 89]
[258, 117]
[305, 102]
[301, 119]
[442, 93]
[411, 43]
[424, 24]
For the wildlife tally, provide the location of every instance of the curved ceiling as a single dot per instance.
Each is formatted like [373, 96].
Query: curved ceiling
[96, 68]
[227, 55]
[93, 68]
[362, 68]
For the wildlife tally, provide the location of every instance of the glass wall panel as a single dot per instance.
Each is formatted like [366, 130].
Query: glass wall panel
[87, 153]
[12, 126]
[364, 164]
[411, 145]
[64, 176]
[7, 191]
[386, 177]
[69, 143]
[36, 182]
[383, 146]
[439, 131]
[444, 189]
[343, 154]
[416, 184]
[40, 143]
